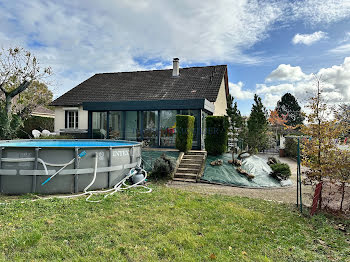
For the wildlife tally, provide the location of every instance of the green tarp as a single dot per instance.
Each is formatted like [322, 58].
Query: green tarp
[149, 156]
[227, 174]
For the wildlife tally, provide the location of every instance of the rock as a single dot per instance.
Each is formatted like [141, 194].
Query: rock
[243, 172]
[235, 162]
[217, 162]
[272, 161]
[243, 155]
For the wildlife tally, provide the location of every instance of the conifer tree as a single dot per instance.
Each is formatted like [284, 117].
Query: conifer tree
[288, 106]
[235, 118]
[257, 126]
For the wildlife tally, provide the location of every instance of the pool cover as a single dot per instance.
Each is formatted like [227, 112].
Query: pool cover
[227, 174]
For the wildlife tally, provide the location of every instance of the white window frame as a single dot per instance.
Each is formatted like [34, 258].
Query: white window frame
[75, 118]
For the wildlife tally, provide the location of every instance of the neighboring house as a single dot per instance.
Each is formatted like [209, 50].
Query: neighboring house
[43, 112]
[143, 105]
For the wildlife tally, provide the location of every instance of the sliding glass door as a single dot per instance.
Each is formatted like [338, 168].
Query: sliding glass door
[168, 128]
[150, 128]
[99, 125]
[154, 128]
[132, 125]
[116, 128]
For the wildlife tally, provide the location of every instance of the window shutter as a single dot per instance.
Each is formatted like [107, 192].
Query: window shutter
[65, 119]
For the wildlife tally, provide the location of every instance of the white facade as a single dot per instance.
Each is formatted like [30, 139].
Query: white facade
[60, 118]
[221, 101]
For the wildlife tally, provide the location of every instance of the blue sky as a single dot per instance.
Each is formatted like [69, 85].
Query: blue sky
[271, 47]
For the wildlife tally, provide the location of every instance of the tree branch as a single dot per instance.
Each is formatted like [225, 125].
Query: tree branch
[23, 86]
[3, 89]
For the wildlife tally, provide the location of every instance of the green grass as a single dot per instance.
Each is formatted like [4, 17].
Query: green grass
[166, 225]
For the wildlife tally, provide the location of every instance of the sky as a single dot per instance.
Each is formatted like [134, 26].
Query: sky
[270, 47]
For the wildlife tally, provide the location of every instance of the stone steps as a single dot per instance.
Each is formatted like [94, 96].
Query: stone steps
[185, 180]
[190, 166]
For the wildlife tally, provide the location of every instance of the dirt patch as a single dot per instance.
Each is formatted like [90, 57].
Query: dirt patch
[332, 195]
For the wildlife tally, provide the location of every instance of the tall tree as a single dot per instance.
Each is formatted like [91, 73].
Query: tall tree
[277, 123]
[320, 150]
[257, 126]
[288, 106]
[18, 69]
[235, 118]
[321, 154]
[37, 94]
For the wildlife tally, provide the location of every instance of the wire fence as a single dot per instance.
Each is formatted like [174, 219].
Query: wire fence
[336, 198]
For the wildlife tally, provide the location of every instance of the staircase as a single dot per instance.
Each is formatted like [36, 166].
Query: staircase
[191, 166]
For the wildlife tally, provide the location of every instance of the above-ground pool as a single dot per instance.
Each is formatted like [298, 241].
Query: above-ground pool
[26, 164]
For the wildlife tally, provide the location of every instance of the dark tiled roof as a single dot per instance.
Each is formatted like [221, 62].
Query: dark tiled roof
[43, 110]
[193, 83]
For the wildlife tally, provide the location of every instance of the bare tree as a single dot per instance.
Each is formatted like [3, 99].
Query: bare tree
[18, 69]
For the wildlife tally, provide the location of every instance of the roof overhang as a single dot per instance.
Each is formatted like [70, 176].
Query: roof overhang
[150, 105]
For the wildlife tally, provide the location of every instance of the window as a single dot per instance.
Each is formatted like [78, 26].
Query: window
[132, 125]
[168, 128]
[116, 125]
[99, 125]
[150, 128]
[71, 120]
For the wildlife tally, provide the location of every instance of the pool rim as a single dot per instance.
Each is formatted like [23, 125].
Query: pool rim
[130, 143]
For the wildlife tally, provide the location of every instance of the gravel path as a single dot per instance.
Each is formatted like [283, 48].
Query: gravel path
[282, 195]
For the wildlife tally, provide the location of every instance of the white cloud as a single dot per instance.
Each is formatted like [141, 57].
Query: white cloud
[346, 38]
[123, 35]
[320, 12]
[308, 39]
[335, 83]
[236, 90]
[342, 49]
[286, 73]
[80, 38]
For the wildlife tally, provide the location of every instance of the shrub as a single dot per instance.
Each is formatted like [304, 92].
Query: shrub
[163, 167]
[184, 132]
[280, 171]
[9, 130]
[57, 137]
[291, 147]
[35, 122]
[216, 135]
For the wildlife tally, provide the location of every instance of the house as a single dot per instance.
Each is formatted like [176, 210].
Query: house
[42, 111]
[143, 105]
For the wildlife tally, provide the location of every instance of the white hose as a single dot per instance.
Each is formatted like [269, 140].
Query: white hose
[45, 164]
[120, 186]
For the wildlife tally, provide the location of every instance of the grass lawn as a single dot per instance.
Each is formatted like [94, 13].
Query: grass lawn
[166, 225]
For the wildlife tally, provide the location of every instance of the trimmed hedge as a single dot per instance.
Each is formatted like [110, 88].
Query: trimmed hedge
[216, 134]
[184, 132]
[35, 122]
[57, 137]
[291, 147]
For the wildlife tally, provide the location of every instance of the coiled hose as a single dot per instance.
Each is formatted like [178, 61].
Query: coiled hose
[117, 187]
